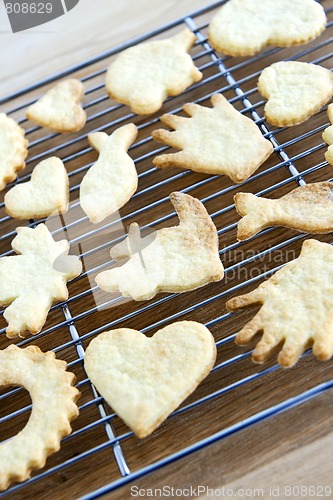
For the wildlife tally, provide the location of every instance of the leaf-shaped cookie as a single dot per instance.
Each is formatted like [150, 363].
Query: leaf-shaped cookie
[307, 208]
[144, 379]
[13, 149]
[328, 136]
[53, 407]
[143, 76]
[46, 193]
[60, 109]
[295, 91]
[296, 308]
[244, 27]
[111, 182]
[177, 259]
[33, 281]
[217, 140]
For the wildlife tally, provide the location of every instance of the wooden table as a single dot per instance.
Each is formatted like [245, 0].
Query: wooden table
[293, 448]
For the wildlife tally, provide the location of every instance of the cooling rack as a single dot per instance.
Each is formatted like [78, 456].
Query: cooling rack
[102, 454]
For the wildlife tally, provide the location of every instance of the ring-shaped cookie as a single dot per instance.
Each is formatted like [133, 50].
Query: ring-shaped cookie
[53, 407]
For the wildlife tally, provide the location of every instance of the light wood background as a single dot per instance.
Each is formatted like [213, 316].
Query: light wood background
[294, 448]
[91, 27]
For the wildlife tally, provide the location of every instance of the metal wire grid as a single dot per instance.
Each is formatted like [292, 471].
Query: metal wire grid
[223, 70]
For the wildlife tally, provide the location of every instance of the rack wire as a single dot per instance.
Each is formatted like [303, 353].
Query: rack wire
[298, 158]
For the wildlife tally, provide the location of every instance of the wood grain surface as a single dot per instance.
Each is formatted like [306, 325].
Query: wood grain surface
[290, 447]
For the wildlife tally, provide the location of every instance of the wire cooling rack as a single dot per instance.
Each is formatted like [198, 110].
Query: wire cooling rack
[102, 454]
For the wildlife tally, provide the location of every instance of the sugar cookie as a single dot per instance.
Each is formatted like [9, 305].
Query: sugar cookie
[176, 259]
[144, 379]
[217, 140]
[296, 308]
[13, 149]
[45, 194]
[143, 76]
[60, 109]
[113, 179]
[244, 27]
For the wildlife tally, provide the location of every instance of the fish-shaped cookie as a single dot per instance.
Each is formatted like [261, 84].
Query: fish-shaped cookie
[308, 209]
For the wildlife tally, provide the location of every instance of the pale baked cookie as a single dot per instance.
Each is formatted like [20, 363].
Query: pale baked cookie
[328, 136]
[244, 27]
[110, 183]
[53, 407]
[217, 140]
[296, 308]
[295, 91]
[13, 149]
[32, 281]
[174, 259]
[307, 208]
[144, 379]
[45, 194]
[143, 76]
[60, 108]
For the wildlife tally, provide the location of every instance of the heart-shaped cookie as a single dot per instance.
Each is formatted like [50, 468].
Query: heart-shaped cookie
[243, 27]
[60, 109]
[46, 193]
[144, 379]
[295, 91]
